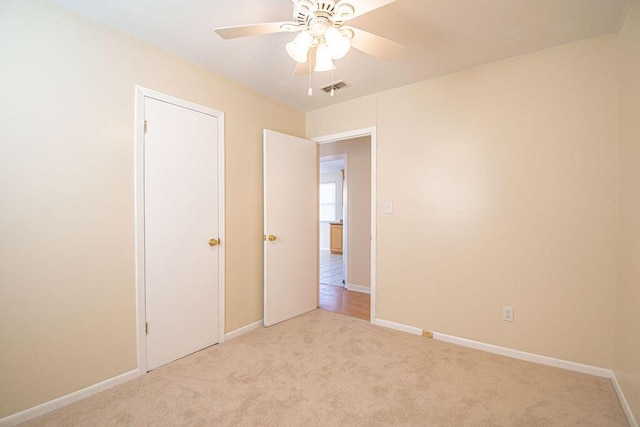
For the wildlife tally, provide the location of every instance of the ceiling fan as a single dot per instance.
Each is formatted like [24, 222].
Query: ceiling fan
[323, 36]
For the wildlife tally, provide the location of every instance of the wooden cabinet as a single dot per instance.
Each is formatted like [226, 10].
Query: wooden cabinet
[336, 238]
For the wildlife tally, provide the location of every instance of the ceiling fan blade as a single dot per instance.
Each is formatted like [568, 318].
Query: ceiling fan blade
[256, 29]
[365, 6]
[376, 46]
[304, 69]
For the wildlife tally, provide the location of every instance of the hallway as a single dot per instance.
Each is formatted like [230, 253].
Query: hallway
[333, 294]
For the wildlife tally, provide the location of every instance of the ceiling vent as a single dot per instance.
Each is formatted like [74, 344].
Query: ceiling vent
[335, 86]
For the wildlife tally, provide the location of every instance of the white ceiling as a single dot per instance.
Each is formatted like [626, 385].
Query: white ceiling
[440, 37]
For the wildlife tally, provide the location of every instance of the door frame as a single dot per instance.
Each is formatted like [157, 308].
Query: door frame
[140, 94]
[371, 132]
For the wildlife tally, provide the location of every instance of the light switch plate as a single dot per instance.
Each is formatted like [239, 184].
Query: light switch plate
[388, 207]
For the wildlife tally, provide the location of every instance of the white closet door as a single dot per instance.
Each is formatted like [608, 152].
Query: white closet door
[181, 216]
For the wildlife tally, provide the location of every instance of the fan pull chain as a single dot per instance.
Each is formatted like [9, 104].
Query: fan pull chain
[332, 84]
[310, 91]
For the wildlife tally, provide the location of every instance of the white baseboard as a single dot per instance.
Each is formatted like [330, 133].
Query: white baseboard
[241, 331]
[623, 401]
[503, 351]
[325, 249]
[60, 402]
[358, 288]
[44, 408]
[522, 355]
[397, 326]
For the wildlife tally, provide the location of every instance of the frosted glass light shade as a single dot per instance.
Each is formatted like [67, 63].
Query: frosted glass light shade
[323, 58]
[299, 47]
[338, 44]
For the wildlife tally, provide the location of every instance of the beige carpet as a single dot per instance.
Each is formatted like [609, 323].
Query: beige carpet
[327, 369]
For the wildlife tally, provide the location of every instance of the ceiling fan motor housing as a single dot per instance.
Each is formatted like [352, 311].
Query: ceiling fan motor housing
[317, 16]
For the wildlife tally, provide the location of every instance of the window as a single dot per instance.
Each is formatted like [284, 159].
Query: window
[328, 201]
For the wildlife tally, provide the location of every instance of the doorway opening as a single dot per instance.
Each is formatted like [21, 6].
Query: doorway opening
[332, 196]
[345, 200]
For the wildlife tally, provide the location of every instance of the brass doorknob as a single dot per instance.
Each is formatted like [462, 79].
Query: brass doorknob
[214, 242]
[271, 237]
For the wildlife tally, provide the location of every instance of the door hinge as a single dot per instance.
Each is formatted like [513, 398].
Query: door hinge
[146, 328]
[145, 126]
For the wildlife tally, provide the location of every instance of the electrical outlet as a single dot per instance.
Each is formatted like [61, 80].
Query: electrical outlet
[507, 313]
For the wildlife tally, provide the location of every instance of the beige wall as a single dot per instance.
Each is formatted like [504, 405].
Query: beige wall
[358, 113]
[504, 181]
[627, 338]
[358, 171]
[67, 294]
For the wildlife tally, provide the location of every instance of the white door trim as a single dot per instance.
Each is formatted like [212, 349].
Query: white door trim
[140, 94]
[370, 131]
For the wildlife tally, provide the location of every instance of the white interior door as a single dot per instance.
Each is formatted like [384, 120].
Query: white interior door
[290, 227]
[180, 217]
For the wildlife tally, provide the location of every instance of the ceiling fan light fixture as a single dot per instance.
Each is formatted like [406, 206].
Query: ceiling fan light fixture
[323, 58]
[338, 44]
[299, 47]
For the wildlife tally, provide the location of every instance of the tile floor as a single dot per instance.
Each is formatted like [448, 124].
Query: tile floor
[331, 269]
